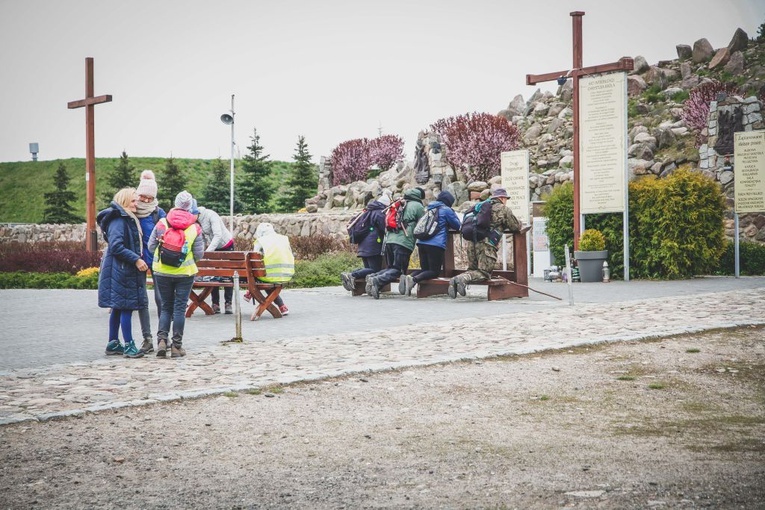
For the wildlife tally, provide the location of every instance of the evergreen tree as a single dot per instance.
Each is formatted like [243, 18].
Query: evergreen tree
[254, 187]
[58, 204]
[122, 176]
[172, 182]
[303, 181]
[216, 193]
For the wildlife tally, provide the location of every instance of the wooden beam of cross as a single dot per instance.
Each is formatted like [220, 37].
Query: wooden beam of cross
[577, 71]
[91, 240]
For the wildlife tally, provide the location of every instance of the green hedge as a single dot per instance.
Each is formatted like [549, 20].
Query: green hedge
[24, 280]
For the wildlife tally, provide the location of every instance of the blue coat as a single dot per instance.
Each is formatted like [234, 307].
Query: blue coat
[371, 245]
[147, 225]
[120, 284]
[447, 219]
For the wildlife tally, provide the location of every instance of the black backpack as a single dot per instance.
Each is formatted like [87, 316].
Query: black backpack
[427, 225]
[477, 222]
[360, 226]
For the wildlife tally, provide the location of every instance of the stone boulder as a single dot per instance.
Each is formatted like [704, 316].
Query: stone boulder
[720, 59]
[735, 65]
[702, 51]
[739, 42]
[635, 85]
[640, 66]
[684, 52]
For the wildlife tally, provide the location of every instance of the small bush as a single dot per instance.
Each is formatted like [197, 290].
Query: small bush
[751, 259]
[52, 257]
[559, 209]
[592, 240]
[696, 108]
[311, 247]
[27, 280]
[323, 271]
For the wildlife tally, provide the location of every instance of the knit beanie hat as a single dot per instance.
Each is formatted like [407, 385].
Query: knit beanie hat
[147, 186]
[384, 199]
[446, 198]
[185, 201]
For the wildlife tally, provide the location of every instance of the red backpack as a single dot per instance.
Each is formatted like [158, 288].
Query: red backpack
[394, 216]
[173, 246]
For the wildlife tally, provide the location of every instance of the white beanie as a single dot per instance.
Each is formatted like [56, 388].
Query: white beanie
[147, 186]
[185, 201]
[384, 199]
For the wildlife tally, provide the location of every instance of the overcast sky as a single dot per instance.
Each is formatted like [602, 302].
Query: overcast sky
[331, 70]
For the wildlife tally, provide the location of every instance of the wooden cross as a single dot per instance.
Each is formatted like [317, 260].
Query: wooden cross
[624, 64]
[91, 241]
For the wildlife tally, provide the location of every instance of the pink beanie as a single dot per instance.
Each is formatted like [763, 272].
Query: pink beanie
[147, 186]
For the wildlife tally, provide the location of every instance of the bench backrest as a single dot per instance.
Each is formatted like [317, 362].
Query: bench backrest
[224, 263]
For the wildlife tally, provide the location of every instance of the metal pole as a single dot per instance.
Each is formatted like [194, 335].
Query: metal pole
[735, 243]
[237, 310]
[568, 276]
[231, 205]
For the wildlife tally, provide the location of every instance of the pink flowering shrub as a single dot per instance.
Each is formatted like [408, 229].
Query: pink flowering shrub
[474, 142]
[386, 150]
[696, 107]
[351, 160]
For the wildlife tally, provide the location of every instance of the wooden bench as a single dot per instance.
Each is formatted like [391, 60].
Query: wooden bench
[223, 264]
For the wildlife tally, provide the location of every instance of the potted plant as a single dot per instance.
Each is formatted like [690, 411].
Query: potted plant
[591, 255]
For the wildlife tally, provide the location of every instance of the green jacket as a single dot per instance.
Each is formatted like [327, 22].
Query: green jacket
[414, 211]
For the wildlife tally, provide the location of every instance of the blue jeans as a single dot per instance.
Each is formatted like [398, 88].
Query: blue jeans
[174, 294]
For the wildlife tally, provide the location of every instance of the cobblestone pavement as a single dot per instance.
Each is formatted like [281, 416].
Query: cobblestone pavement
[52, 341]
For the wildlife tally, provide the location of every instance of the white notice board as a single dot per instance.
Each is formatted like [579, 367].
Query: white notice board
[515, 179]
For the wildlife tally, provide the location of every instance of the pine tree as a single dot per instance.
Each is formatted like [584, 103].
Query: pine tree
[122, 176]
[303, 181]
[216, 193]
[254, 186]
[58, 204]
[172, 182]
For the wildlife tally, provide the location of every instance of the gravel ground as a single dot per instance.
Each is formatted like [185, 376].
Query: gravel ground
[675, 423]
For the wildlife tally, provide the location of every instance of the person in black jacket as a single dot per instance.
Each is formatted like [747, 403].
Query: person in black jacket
[370, 248]
[122, 276]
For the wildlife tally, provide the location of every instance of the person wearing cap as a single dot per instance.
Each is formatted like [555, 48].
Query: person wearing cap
[174, 283]
[399, 244]
[149, 213]
[432, 250]
[482, 255]
[278, 259]
[218, 238]
[370, 248]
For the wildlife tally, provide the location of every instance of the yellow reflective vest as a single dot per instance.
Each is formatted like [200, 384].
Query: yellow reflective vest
[277, 257]
[189, 266]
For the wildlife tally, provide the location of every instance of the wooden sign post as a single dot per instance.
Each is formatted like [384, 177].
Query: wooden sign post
[91, 240]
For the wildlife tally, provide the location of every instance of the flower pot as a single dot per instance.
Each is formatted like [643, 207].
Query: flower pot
[590, 264]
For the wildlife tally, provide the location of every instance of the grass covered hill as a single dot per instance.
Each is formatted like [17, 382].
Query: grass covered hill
[23, 184]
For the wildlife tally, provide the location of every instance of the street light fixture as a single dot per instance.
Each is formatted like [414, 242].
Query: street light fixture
[228, 119]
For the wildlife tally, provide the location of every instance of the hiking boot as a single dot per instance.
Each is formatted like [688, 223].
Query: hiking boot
[177, 351]
[161, 348]
[284, 310]
[410, 283]
[216, 308]
[452, 288]
[229, 310]
[368, 285]
[348, 281]
[131, 351]
[374, 289]
[461, 287]
[402, 284]
[146, 346]
[114, 348]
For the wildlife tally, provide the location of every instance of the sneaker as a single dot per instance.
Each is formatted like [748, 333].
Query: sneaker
[461, 287]
[216, 308]
[375, 289]
[161, 348]
[114, 348]
[229, 310]
[131, 351]
[368, 285]
[146, 346]
[284, 310]
[348, 281]
[402, 284]
[247, 296]
[176, 351]
[410, 283]
[452, 289]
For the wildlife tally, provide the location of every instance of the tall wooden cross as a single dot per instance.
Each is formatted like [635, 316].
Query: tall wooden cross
[624, 64]
[91, 240]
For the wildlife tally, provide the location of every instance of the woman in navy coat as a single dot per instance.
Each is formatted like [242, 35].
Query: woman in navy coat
[121, 284]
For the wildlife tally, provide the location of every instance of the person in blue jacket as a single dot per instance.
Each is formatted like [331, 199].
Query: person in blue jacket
[122, 275]
[370, 248]
[149, 213]
[432, 250]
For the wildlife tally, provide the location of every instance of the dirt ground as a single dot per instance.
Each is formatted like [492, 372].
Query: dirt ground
[674, 423]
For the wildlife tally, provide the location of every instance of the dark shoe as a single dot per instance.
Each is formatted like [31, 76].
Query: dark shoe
[114, 348]
[452, 289]
[216, 308]
[146, 346]
[131, 351]
[461, 287]
[161, 348]
[348, 282]
[176, 351]
[402, 284]
[375, 289]
[229, 310]
[247, 296]
[368, 285]
[284, 310]
[410, 283]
